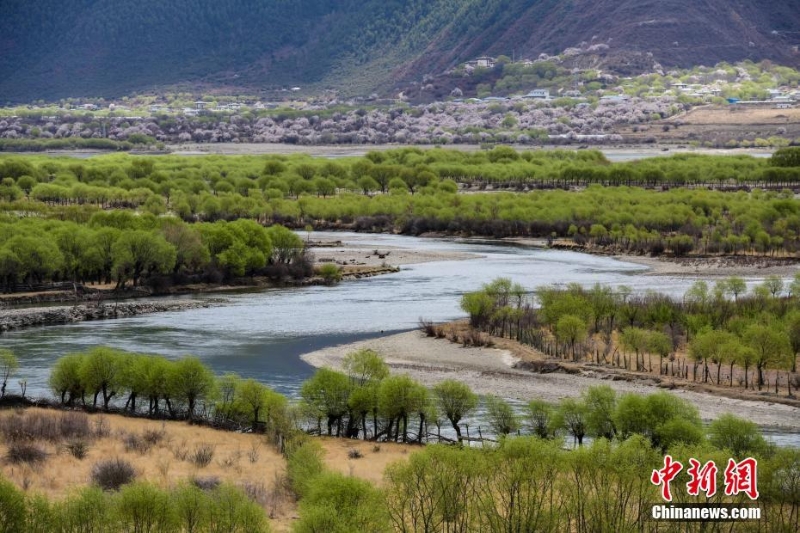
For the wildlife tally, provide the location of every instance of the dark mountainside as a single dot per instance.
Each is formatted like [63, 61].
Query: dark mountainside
[60, 48]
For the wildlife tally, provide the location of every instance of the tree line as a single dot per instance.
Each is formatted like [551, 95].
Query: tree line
[721, 334]
[122, 247]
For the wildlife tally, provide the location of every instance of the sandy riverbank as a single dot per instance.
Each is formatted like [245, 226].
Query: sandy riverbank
[746, 266]
[332, 250]
[489, 371]
[743, 266]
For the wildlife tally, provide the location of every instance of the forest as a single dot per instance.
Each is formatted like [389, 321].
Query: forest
[524, 476]
[171, 219]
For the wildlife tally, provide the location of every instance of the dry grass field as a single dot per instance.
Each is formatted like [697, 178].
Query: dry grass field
[168, 453]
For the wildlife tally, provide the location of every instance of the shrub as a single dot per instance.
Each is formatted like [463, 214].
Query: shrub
[233, 512]
[252, 454]
[88, 510]
[427, 327]
[112, 474]
[135, 443]
[23, 452]
[330, 273]
[353, 453]
[739, 436]
[303, 465]
[256, 492]
[143, 507]
[355, 503]
[202, 455]
[51, 427]
[101, 427]
[77, 448]
[206, 483]
[180, 451]
[154, 436]
[12, 507]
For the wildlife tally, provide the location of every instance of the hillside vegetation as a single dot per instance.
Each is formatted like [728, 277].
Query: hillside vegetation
[90, 48]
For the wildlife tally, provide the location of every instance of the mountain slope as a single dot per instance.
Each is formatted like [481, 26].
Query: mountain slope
[58, 48]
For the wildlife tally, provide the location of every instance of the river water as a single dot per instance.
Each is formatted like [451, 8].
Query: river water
[262, 334]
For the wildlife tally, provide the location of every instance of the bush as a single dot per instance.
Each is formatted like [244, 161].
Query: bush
[22, 452]
[112, 474]
[303, 465]
[353, 453]
[427, 327]
[135, 443]
[88, 510]
[742, 437]
[51, 427]
[202, 455]
[233, 512]
[330, 273]
[207, 483]
[12, 508]
[143, 507]
[78, 449]
[154, 436]
[355, 503]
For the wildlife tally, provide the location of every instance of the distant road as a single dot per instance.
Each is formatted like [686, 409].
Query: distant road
[338, 151]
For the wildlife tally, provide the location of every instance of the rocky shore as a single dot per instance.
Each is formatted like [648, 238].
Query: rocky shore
[11, 319]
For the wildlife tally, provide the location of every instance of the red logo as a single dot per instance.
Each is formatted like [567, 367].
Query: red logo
[702, 478]
[738, 477]
[741, 477]
[664, 476]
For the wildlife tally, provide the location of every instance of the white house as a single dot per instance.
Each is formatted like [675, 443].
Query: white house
[539, 94]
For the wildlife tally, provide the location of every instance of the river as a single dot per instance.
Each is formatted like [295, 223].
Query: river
[262, 334]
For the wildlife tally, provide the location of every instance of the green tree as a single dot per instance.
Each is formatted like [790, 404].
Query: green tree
[600, 404]
[191, 382]
[501, 416]
[365, 365]
[571, 416]
[259, 400]
[771, 347]
[101, 372]
[571, 329]
[8, 366]
[739, 436]
[140, 252]
[540, 414]
[456, 400]
[479, 306]
[328, 392]
[286, 244]
[774, 285]
[400, 397]
[735, 286]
